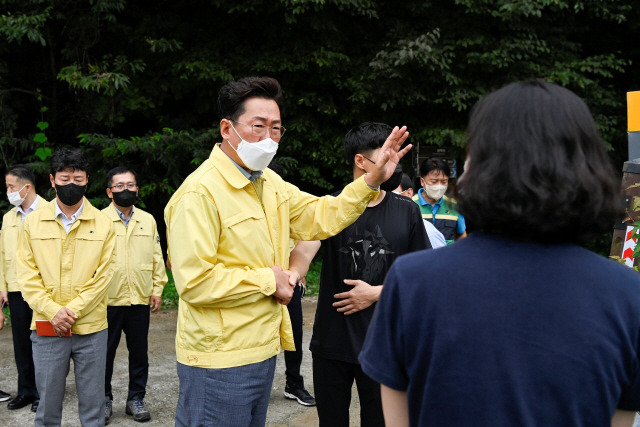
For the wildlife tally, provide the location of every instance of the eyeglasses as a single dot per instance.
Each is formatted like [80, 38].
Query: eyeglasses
[261, 130]
[130, 186]
[367, 158]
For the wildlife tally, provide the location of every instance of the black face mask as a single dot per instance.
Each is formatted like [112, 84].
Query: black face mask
[394, 180]
[70, 194]
[124, 198]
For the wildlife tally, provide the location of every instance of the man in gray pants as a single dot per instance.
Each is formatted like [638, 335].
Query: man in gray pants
[64, 255]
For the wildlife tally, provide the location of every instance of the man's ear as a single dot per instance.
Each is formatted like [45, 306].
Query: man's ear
[52, 179]
[358, 161]
[225, 129]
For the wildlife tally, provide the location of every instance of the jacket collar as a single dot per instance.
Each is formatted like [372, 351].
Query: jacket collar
[112, 213]
[88, 211]
[42, 202]
[227, 169]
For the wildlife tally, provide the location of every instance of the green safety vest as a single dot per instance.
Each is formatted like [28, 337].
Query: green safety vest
[446, 219]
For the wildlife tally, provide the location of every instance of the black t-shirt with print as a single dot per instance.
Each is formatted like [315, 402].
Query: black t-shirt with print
[363, 251]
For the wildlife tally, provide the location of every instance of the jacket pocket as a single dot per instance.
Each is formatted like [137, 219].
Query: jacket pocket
[247, 235]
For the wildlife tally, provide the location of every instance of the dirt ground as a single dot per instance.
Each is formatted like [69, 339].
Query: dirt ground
[162, 387]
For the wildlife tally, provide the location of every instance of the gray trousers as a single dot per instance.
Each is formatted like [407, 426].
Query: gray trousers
[51, 356]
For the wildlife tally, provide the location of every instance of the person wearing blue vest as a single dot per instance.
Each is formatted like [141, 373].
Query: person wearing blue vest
[440, 210]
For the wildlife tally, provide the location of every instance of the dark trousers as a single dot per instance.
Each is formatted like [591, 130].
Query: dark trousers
[21, 315]
[332, 382]
[293, 359]
[134, 322]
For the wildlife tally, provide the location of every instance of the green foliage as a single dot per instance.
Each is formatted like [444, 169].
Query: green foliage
[313, 277]
[170, 296]
[135, 83]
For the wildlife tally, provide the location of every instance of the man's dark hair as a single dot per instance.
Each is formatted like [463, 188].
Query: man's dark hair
[68, 158]
[233, 94]
[117, 171]
[406, 182]
[23, 173]
[434, 164]
[364, 138]
[538, 169]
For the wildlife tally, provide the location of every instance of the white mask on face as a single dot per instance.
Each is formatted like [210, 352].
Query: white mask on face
[255, 155]
[15, 199]
[435, 192]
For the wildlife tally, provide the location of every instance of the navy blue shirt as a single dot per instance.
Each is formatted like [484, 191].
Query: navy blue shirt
[492, 332]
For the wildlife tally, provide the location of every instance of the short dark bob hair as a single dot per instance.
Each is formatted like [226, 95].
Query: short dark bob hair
[68, 158]
[365, 137]
[538, 170]
[232, 95]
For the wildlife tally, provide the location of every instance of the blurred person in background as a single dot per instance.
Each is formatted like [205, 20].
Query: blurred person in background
[436, 207]
[21, 192]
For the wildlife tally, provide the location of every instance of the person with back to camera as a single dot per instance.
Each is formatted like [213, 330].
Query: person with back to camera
[516, 325]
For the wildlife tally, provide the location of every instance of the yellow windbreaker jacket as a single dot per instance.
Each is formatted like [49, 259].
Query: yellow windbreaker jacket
[223, 241]
[137, 259]
[56, 269]
[11, 223]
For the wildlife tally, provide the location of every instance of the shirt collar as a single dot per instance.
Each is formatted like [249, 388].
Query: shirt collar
[75, 216]
[30, 209]
[424, 202]
[121, 215]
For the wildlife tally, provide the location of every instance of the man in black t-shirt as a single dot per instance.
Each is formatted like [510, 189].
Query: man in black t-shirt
[354, 267]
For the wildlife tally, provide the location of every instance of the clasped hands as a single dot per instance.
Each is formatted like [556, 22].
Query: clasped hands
[360, 297]
[63, 321]
[286, 281]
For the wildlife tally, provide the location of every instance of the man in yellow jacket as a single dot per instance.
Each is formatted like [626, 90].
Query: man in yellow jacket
[138, 280]
[21, 192]
[64, 268]
[228, 227]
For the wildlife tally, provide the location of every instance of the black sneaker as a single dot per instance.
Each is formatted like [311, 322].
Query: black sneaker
[108, 411]
[136, 407]
[300, 394]
[4, 396]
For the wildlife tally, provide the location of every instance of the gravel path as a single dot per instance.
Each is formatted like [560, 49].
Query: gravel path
[162, 387]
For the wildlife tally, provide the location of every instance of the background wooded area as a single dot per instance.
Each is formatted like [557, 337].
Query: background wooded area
[135, 82]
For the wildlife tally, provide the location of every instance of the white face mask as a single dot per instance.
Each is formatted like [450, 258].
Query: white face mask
[435, 192]
[15, 199]
[255, 155]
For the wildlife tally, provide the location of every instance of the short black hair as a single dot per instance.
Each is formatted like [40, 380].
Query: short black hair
[117, 171]
[406, 182]
[232, 95]
[538, 169]
[23, 173]
[68, 158]
[363, 138]
[434, 164]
